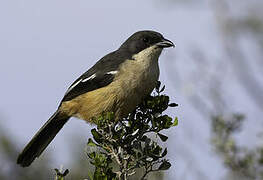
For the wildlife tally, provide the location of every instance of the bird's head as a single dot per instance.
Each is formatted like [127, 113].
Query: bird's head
[143, 40]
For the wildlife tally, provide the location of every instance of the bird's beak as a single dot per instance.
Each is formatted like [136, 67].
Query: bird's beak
[165, 43]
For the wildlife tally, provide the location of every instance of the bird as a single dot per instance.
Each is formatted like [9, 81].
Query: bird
[117, 83]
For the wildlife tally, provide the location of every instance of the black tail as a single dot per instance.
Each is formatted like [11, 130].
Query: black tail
[42, 139]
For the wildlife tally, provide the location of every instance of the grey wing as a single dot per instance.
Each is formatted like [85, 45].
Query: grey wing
[85, 84]
[100, 75]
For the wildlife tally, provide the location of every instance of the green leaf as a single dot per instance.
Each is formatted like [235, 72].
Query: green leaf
[162, 137]
[90, 175]
[162, 89]
[91, 142]
[173, 105]
[164, 152]
[168, 122]
[156, 151]
[164, 166]
[96, 135]
[158, 86]
[92, 155]
[147, 141]
[144, 138]
[175, 123]
[60, 175]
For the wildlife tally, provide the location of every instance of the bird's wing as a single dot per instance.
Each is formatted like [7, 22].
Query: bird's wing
[86, 83]
[100, 75]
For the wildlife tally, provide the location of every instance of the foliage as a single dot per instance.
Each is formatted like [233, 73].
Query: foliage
[118, 149]
[127, 143]
[60, 175]
[241, 161]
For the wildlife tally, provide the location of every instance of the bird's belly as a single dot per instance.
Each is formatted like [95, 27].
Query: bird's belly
[121, 96]
[115, 98]
[92, 104]
[136, 83]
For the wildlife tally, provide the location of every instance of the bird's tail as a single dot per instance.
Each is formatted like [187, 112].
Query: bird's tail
[42, 139]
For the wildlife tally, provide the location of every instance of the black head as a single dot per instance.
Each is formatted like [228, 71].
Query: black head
[144, 39]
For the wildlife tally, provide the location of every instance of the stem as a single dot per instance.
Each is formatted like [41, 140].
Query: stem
[146, 172]
[123, 173]
[123, 166]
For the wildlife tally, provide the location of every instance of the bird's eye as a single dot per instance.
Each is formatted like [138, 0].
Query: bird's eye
[146, 40]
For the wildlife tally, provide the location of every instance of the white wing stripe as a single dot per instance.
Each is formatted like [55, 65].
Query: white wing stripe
[91, 77]
[87, 79]
[73, 85]
[81, 80]
[112, 72]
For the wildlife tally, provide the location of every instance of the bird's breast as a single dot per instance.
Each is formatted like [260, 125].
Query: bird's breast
[135, 80]
[138, 78]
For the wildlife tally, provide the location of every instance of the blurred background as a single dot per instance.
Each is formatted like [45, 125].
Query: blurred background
[215, 74]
